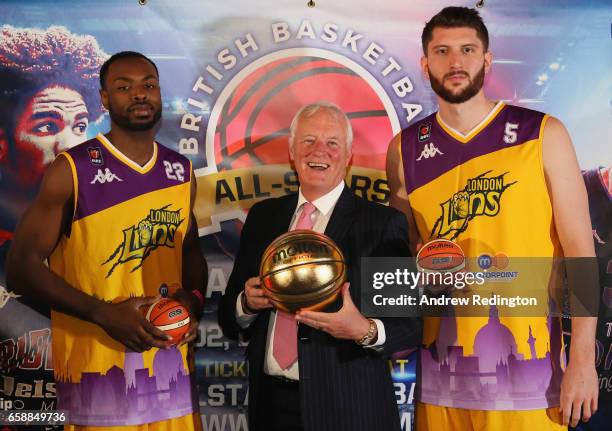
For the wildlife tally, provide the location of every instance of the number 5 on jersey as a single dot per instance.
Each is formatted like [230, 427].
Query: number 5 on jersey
[510, 135]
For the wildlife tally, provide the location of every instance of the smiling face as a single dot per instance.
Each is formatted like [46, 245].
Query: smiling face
[131, 94]
[320, 152]
[53, 120]
[455, 63]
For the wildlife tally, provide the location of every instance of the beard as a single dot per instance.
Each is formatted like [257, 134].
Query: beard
[474, 85]
[126, 122]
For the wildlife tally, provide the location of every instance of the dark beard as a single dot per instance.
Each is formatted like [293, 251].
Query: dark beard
[464, 95]
[125, 123]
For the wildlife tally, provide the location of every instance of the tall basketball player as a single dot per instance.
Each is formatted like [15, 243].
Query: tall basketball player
[499, 180]
[114, 219]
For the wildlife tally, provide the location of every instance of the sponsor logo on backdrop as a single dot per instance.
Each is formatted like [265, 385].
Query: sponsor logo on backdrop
[236, 118]
[155, 230]
[481, 196]
[496, 267]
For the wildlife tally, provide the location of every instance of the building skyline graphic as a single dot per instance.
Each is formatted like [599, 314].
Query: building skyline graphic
[496, 376]
[132, 395]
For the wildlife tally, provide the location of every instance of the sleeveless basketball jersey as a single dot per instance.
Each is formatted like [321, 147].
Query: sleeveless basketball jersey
[487, 192]
[125, 240]
[600, 207]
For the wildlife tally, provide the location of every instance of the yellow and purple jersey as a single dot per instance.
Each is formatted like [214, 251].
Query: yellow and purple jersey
[125, 240]
[487, 192]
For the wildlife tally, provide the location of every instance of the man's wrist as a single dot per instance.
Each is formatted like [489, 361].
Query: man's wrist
[98, 312]
[370, 336]
[245, 306]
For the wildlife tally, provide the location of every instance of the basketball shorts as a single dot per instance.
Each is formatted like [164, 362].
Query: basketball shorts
[429, 417]
[184, 423]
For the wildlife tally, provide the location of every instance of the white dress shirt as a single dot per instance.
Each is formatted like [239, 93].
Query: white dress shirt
[325, 206]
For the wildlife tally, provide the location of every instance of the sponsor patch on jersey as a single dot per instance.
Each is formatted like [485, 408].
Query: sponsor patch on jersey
[424, 132]
[95, 156]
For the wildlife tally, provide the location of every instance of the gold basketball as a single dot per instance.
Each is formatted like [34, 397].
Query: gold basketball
[302, 269]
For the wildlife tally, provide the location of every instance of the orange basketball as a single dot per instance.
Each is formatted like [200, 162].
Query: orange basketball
[169, 316]
[440, 255]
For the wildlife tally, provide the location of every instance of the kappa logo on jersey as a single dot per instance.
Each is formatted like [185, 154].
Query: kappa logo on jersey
[429, 151]
[481, 196]
[6, 296]
[105, 177]
[424, 132]
[95, 155]
[156, 230]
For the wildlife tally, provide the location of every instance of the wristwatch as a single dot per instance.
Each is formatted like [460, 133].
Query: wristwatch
[366, 340]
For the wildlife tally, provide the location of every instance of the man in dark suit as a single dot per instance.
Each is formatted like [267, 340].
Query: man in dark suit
[331, 372]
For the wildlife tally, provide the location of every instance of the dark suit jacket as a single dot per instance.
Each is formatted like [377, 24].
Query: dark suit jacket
[343, 387]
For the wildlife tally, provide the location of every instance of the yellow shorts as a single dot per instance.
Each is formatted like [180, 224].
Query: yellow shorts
[184, 423]
[438, 418]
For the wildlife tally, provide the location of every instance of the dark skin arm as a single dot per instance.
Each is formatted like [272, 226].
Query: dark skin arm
[194, 272]
[35, 239]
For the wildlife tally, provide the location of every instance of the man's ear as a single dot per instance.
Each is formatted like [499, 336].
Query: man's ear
[4, 142]
[425, 67]
[104, 98]
[488, 61]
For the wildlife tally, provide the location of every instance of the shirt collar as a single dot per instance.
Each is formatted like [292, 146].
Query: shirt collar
[325, 203]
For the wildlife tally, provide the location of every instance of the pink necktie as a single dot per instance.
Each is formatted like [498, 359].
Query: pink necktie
[285, 329]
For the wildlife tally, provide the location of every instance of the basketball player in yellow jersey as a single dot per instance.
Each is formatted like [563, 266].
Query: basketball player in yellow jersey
[114, 219]
[538, 208]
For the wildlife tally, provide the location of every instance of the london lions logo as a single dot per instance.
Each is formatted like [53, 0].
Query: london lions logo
[481, 196]
[139, 241]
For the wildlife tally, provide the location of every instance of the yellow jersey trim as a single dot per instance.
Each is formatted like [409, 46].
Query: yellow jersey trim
[464, 139]
[125, 159]
[75, 180]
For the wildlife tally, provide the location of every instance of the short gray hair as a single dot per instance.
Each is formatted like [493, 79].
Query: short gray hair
[311, 109]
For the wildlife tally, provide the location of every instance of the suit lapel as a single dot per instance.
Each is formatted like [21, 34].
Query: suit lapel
[342, 216]
[280, 220]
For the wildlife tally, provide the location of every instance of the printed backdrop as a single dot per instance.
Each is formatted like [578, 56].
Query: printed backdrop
[233, 73]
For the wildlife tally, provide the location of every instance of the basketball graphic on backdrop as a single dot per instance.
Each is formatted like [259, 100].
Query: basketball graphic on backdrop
[302, 269]
[247, 135]
[253, 125]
